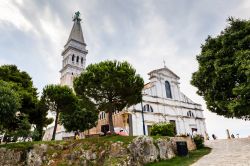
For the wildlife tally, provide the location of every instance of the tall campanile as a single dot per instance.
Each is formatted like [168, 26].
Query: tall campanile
[74, 54]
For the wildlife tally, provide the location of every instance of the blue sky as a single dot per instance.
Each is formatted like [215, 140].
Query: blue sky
[143, 32]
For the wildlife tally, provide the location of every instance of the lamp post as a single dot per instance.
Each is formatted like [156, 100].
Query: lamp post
[143, 124]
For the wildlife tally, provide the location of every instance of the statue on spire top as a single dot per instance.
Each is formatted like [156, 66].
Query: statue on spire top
[77, 16]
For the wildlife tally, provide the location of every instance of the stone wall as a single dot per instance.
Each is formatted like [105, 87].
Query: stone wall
[190, 143]
[139, 151]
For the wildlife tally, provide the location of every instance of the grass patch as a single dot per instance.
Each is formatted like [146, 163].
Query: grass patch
[112, 138]
[183, 161]
[99, 141]
[160, 137]
[19, 145]
[29, 145]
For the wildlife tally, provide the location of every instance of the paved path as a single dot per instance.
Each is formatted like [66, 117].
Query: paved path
[234, 152]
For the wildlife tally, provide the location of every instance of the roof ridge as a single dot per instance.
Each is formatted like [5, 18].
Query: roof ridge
[164, 68]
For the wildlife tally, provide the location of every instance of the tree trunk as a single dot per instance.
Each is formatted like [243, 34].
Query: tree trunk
[54, 131]
[40, 131]
[111, 125]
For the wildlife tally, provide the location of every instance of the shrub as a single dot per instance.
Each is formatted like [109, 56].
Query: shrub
[199, 141]
[163, 129]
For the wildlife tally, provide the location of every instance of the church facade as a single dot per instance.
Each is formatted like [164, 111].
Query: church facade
[162, 99]
[162, 102]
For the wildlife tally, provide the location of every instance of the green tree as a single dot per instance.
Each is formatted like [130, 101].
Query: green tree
[22, 84]
[83, 116]
[112, 85]
[14, 123]
[10, 104]
[223, 77]
[22, 128]
[58, 99]
[41, 120]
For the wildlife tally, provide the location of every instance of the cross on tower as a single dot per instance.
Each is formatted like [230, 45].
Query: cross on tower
[164, 63]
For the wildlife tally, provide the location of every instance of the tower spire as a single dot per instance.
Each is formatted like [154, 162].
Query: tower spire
[76, 31]
[74, 53]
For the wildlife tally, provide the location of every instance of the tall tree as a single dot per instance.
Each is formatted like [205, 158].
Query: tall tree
[14, 123]
[10, 103]
[223, 77]
[22, 84]
[112, 85]
[41, 120]
[84, 116]
[58, 99]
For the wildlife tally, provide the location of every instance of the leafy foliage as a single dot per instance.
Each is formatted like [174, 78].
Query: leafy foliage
[223, 77]
[163, 129]
[21, 84]
[112, 85]
[10, 104]
[23, 128]
[57, 99]
[41, 120]
[199, 141]
[82, 117]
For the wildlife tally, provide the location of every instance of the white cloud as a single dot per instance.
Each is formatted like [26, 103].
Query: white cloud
[11, 14]
[108, 26]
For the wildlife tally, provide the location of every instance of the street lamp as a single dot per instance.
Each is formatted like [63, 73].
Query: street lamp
[143, 124]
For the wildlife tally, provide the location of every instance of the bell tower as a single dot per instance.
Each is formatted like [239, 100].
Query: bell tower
[74, 54]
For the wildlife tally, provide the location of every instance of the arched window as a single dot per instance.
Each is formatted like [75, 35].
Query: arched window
[81, 60]
[147, 108]
[190, 114]
[116, 112]
[168, 90]
[102, 115]
[73, 58]
[77, 59]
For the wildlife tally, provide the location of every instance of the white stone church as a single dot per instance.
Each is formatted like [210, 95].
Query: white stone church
[162, 99]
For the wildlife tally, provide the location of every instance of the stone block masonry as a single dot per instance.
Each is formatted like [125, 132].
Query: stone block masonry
[95, 151]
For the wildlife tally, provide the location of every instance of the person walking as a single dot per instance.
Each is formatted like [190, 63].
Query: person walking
[214, 137]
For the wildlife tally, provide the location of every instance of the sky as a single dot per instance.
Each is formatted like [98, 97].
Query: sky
[142, 32]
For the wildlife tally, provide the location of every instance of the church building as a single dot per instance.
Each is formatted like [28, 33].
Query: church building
[162, 102]
[162, 99]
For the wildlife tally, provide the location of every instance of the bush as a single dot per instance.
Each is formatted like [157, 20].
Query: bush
[199, 141]
[163, 129]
